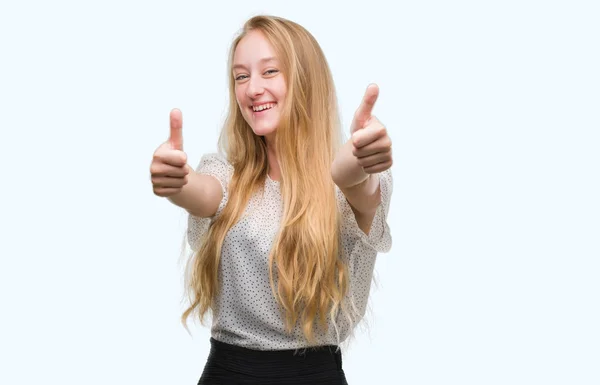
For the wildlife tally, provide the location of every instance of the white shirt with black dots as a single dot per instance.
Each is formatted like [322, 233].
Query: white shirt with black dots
[246, 312]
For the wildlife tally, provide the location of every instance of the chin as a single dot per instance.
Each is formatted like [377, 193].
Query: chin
[263, 129]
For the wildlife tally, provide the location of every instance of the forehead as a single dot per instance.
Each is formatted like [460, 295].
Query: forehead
[253, 49]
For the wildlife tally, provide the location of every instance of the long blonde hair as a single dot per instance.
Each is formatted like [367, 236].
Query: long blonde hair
[312, 279]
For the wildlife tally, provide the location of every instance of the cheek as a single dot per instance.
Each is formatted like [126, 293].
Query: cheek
[282, 91]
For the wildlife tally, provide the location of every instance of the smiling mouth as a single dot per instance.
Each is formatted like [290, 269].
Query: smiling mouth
[263, 109]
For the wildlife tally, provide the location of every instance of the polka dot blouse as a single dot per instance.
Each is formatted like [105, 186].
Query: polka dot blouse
[246, 312]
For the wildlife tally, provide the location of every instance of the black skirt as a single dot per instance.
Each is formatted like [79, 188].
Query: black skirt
[231, 365]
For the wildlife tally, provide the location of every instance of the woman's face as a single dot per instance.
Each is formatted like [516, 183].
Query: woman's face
[260, 87]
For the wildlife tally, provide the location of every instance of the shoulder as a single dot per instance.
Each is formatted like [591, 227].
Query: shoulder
[216, 165]
[214, 160]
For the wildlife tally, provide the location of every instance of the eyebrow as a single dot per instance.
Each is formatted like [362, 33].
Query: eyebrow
[263, 60]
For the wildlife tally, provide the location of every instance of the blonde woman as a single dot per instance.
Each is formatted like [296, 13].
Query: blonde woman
[285, 222]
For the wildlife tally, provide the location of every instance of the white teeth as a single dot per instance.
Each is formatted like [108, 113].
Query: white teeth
[263, 107]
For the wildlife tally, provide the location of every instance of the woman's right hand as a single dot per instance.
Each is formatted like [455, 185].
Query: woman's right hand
[169, 170]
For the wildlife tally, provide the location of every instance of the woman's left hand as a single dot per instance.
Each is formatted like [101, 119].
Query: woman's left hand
[371, 143]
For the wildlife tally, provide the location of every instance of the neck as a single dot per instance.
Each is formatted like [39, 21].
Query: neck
[274, 172]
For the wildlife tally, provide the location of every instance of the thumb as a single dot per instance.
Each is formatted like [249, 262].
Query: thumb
[176, 137]
[364, 111]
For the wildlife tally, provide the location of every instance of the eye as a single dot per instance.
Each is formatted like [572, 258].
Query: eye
[271, 71]
[240, 77]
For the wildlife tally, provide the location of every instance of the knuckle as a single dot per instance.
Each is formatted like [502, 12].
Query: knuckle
[158, 154]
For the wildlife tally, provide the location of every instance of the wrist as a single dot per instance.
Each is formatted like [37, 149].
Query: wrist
[345, 170]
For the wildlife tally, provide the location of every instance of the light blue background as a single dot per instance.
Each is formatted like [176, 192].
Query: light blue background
[493, 109]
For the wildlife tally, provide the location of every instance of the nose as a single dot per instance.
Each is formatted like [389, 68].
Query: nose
[255, 87]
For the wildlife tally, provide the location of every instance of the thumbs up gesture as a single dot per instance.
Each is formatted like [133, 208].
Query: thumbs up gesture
[372, 146]
[169, 169]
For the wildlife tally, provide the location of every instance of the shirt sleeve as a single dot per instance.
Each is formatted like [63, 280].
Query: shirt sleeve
[215, 165]
[379, 237]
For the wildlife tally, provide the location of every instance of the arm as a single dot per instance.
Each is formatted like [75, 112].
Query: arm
[356, 166]
[201, 195]
[360, 189]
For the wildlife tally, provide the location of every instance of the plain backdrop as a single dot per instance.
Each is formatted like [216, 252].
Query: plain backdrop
[493, 109]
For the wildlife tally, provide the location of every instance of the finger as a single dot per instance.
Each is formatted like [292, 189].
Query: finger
[379, 167]
[168, 182]
[165, 192]
[364, 111]
[369, 134]
[380, 145]
[372, 160]
[173, 158]
[168, 170]
[176, 135]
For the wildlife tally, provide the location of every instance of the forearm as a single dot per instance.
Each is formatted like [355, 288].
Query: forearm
[360, 189]
[200, 196]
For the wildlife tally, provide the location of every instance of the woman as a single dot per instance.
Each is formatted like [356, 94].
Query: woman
[284, 224]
